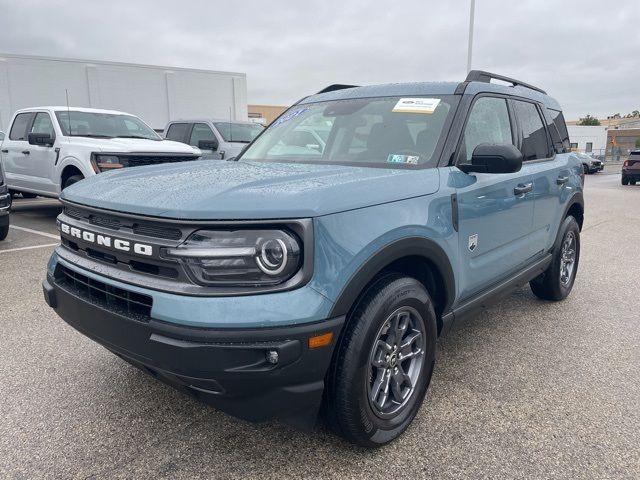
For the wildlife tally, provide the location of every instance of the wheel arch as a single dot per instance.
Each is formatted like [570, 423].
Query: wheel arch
[67, 172]
[417, 257]
[575, 208]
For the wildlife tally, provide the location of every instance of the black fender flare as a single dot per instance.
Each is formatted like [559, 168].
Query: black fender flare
[405, 247]
[577, 198]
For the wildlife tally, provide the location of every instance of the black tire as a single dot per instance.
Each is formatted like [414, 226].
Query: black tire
[550, 285]
[625, 180]
[352, 379]
[4, 231]
[28, 195]
[71, 180]
[585, 168]
[632, 182]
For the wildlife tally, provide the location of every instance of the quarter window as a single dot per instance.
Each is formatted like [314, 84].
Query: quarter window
[19, 127]
[488, 123]
[176, 132]
[534, 136]
[201, 131]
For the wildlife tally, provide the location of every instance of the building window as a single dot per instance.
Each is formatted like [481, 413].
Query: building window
[574, 146]
[589, 147]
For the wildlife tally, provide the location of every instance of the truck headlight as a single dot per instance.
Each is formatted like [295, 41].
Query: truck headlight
[107, 162]
[239, 257]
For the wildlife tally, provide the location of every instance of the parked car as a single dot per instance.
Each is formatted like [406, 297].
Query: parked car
[296, 276]
[631, 168]
[5, 206]
[589, 164]
[218, 139]
[44, 152]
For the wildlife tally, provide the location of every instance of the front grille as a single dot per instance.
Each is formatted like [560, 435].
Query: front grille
[140, 160]
[114, 299]
[148, 229]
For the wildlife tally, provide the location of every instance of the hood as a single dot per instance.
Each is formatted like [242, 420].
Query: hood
[134, 145]
[208, 190]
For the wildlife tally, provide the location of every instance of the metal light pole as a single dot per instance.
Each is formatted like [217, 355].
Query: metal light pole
[470, 49]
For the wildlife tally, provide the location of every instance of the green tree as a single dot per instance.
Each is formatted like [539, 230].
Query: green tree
[589, 120]
[637, 142]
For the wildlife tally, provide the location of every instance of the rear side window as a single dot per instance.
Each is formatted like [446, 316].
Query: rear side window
[488, 123]
[201, 131]
[534, 136]
[19, 127]
[176, 132]
[558, 130]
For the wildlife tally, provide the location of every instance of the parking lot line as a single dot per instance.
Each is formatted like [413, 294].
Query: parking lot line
[37, 232]
[28, 248]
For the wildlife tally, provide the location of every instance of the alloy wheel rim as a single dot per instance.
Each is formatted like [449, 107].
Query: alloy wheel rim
[567, 258]
[395, 362]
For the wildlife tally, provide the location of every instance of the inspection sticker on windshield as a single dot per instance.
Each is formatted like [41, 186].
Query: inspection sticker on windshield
[416, 105]
[396, 158]
[288, 116]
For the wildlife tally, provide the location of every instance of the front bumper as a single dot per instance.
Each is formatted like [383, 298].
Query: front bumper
[227, 368]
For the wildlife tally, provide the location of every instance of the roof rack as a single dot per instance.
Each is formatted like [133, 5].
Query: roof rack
[486, 77]
[335, 86]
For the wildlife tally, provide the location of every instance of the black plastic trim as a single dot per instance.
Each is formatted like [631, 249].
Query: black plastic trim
[410, 246]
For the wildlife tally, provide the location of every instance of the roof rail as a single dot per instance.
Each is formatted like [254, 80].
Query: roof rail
[335, 86]
[486, 77]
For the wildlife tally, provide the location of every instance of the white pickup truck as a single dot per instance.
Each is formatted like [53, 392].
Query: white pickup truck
[49, 148]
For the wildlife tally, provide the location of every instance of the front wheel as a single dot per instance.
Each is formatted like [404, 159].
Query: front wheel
[625, 180]
[71, 180]
[632, 182]
[557, 281]
[383, 365]
[4, 231]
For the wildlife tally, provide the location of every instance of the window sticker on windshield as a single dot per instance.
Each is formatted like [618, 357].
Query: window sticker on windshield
[416, 105]
[396, 158]
[288, 116]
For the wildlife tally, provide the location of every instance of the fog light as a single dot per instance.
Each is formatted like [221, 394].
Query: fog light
[272, 357]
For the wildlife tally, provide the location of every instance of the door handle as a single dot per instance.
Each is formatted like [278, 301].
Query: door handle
[562, 180]
[5, 151]
[523, 188]
[26, 152]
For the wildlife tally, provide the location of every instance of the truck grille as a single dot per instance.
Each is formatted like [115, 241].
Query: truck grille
[150, 159]
[114, 299]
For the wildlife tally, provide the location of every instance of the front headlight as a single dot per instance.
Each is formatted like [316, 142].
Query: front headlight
[108, 162]
[239, 257]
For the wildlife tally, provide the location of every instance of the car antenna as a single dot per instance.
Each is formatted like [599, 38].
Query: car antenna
[230, 132]
[66, 92]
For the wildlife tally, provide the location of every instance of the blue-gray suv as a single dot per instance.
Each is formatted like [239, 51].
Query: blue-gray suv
[316, 271]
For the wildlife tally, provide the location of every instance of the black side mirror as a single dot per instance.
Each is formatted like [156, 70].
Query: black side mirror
[41, 139]
[494, 158]
[208, 145]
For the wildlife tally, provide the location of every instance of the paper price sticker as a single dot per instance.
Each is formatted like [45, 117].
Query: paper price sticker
[416, 105]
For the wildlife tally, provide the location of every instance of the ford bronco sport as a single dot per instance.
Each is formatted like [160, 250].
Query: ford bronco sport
[298, 277]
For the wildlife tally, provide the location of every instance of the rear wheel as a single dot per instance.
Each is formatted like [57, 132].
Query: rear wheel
[383, 364]
[71, 180]
[625, 180]
[4, 231]
[557, 281]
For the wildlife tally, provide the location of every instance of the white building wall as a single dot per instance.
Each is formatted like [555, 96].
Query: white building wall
[156, 94]
[582, 135]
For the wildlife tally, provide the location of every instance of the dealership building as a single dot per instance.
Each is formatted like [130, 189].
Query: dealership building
[156, 94]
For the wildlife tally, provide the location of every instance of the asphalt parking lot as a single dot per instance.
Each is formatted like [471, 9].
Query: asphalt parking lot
[528, 389]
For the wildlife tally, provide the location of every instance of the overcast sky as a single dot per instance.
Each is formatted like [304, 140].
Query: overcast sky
[586, 53]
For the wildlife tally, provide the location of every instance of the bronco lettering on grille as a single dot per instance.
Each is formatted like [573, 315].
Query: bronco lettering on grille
[106, 241]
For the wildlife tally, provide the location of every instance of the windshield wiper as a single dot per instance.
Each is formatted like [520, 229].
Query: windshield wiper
[135, 136]
[90, 135]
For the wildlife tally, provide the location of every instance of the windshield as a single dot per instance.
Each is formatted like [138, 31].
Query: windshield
[104, 125]
[238, 132]
[390, 131]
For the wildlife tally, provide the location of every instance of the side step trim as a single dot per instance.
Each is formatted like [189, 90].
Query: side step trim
[471, 307]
